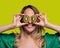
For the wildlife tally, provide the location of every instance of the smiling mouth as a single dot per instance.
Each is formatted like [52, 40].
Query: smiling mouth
[30, 25]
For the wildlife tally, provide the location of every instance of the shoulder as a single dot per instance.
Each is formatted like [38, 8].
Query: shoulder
[50, 37]
[7, 40]
[51, 40]
[7, 36]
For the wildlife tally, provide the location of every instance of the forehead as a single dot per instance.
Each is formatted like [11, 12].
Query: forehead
[29, 12]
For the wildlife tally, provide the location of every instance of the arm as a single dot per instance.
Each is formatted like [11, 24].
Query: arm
[52, 26]
[7, 27]
[43, 22]
[16, 23]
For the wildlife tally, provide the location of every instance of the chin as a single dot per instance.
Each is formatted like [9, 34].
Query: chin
[29, 30]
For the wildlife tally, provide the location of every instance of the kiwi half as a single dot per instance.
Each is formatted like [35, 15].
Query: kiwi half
[25, 19]
[34, 19]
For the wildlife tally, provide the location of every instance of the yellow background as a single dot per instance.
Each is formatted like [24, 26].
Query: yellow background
[10, 7]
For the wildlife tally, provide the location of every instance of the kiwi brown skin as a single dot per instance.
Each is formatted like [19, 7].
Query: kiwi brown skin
[26, 19]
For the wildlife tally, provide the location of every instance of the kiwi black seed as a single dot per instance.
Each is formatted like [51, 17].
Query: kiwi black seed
[25, 19]
[34, 19]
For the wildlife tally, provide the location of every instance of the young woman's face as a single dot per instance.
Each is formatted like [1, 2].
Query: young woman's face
[30, 27]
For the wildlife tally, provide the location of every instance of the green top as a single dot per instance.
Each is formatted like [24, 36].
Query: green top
[7, 40]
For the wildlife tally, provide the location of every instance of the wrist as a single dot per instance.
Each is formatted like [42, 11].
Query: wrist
[13, 25]
[47, 24]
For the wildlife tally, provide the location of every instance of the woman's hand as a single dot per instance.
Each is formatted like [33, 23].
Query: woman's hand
[17, 20]
[43, 21]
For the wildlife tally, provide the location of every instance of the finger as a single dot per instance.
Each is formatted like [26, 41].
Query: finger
[24, 23]
[21, 15]
[36, 23]
[37, 15]
[39, 18]
[17, 18]
[14, 18]
[43, 17]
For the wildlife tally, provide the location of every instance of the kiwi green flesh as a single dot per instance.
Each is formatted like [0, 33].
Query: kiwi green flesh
[25, 19]
[34, 18]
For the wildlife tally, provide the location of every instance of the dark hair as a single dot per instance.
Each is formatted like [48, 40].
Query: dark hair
[32, 7]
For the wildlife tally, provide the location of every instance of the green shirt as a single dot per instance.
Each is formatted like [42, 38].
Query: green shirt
[7, 40]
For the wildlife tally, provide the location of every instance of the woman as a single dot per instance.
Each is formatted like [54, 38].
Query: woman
[31, 31]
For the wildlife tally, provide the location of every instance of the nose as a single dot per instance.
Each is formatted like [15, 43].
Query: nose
[30, 20]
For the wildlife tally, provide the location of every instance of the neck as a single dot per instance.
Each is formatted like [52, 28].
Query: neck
[26, 34]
